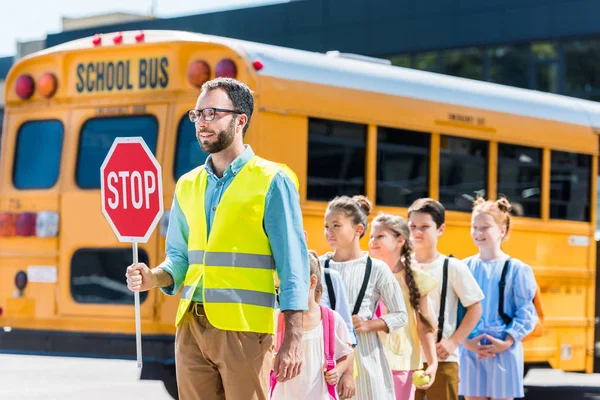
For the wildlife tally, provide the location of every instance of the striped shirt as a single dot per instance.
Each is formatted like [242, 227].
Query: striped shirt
[374, 379]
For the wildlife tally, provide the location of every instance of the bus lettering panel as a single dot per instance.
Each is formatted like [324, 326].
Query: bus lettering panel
[128, 75]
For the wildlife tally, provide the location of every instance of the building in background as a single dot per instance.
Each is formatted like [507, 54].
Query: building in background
[545, 45]
[5, 64]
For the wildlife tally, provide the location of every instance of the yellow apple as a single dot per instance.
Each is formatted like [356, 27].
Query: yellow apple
[419, 378]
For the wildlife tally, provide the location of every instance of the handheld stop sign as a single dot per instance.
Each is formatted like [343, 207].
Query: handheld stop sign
[132, 202]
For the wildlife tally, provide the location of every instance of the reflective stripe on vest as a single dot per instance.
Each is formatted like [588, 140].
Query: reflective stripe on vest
[235, 264]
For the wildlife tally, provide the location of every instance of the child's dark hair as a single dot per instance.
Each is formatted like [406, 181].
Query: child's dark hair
[399, 226]
[315, 269]
[357, 208]
[431, 207]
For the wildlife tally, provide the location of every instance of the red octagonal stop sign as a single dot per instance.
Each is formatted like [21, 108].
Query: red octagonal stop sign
[131, 186]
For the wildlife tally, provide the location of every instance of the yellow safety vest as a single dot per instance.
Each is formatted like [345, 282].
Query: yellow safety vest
[236, 263]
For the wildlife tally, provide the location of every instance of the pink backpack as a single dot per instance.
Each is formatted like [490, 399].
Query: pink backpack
[328, 343]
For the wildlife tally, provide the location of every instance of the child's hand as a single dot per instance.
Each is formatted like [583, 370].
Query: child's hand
[445, 348]
[431, 371]
[360, 325]
[496, 346]
[332, 377]
[473, 344]
[346, 387]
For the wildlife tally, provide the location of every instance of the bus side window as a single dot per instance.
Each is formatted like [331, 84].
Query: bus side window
[37, 154]
[402, 166]
[570, 186]
[336, 159]
[520, 178]
[188, 154]
[463, 171]
[97, 275]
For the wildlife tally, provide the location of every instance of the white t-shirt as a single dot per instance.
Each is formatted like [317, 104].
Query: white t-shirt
[461, 285]
[311, 384]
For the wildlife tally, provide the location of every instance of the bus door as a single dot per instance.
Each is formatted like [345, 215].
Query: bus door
[93, 261]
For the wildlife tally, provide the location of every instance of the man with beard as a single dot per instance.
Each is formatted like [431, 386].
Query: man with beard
[234, 222]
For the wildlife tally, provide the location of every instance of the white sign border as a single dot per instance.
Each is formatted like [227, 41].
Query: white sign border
[129, 140]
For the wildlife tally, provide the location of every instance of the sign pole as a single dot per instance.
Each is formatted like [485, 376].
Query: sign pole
[138, 324]
[132, 203]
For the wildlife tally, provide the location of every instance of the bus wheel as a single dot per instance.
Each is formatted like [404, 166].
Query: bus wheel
[170, 381]
[161, 372]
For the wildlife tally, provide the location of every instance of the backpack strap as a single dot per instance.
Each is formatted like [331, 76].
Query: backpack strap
[363, 288]
[507, 320]
[443, 301]
[329, 344]
[329, 284]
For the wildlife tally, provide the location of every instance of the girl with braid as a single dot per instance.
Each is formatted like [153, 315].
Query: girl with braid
[390, 242]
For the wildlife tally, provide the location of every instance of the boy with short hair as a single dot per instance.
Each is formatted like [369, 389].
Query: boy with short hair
[426, 219]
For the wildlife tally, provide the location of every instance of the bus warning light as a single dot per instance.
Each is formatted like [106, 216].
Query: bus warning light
[257, 64]
[198, 72]
[25, 86]
[47, 84]
[226, 69]
[8, 224]
[97, 39]
[118, 38]
[139, 37]
[26, 224]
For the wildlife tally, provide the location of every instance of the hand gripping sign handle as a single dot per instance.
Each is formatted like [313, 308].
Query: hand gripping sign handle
[138, 325]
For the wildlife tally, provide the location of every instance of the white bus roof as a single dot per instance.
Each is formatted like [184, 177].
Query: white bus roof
[306, 66]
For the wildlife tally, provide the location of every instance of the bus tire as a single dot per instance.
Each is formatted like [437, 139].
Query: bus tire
[170, 381]
[157, 371]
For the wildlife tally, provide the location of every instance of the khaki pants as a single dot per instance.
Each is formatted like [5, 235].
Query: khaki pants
[213, 364]
[445, 386]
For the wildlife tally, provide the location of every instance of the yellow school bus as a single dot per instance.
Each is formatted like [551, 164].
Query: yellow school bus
[345, 124]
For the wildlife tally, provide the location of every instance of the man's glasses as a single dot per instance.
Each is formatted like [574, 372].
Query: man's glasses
[208, 113]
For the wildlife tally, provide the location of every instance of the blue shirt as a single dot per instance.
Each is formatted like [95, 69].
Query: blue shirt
[518, 298]
[282, 224]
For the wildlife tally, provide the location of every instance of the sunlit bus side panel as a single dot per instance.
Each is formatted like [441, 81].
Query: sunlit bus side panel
[553, 236]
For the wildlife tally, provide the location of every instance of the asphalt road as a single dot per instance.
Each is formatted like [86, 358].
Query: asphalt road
[61, 378]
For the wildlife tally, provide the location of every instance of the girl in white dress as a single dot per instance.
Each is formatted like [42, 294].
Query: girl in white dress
[314, 378]
[345, 225]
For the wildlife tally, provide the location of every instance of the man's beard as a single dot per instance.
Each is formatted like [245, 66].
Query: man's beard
[224, 140]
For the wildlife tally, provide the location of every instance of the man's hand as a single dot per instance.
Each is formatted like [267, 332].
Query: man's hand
[139, 278]
[445, 348]
[346, 387]
[288, 361]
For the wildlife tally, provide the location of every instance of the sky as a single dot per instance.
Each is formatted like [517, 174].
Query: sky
[24, 20]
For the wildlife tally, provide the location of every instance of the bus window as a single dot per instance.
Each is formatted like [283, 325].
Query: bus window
[97, 275]
[188, 154]
[463, 172]
[336, 159]
[520, 177]
[570, 182]
[35, 169]
[402, 166]
[98, 134]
